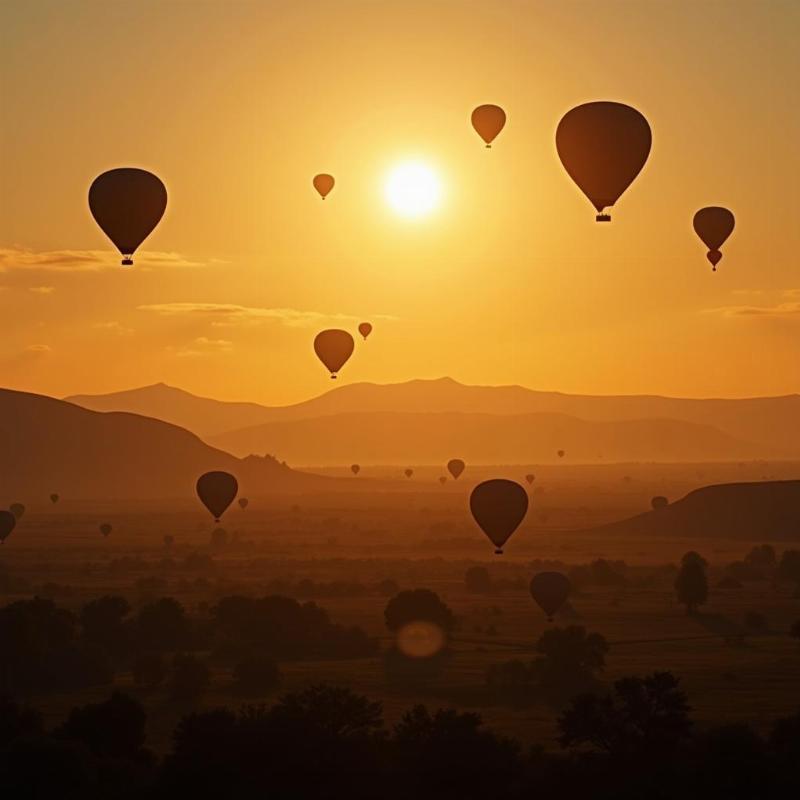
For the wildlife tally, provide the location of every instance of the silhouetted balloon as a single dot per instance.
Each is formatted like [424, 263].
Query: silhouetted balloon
[17, 509]
[355, 469]
[7, 523]
[455, 466]
[561, 454]
[488, 121]
[713, 225]
[105, 529]
[443, 480]
[216, 491]
[54, 498]
[659, 502]
[169, 540]
[323, 183]
[603, 147]
[243, 503]
[127, 203]
[498, 506]
[408, 473]
[365, 329]
[333, 347]
[530, 477]
[550, 591]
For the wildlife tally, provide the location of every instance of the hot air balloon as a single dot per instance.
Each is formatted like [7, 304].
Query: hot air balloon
[105, 529]
[127, 203]
[659, 502]
[54, 498]
[488, 121]
[713, 225]
[333, 347]
[530, 477]
[323, 183]
[561, 454]
[498, 506]
[7, 523]
[455, 466]
[216, 491]
[355, 469]
[17, 509]
[550, 591]
[603, 147]
[408, 472]
[365, 329]
[443, 480]
[243, 503]
[169, 540]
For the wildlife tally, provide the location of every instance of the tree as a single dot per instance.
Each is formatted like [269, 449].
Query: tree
[477, 580]
[18, 722]
[415, 605]
[149, 670]
[103, 622]
[789, 566]
[571, 659]
[762, 556]
[691, 584]
[795, 630]
[162, 625]
[256, 674]
[642, 716]
[190, 678]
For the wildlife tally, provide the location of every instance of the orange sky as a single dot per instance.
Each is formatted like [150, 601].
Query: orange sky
[236, 105]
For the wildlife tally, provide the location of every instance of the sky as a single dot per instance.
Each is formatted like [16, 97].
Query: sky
[237, 105]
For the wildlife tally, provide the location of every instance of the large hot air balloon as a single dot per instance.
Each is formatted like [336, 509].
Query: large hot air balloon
[323, 183]
[455, 466]
[17, 509]
[713, 225]
[530, 477]
[243, 503]
[365, 329]
[408, 472]
[355, 469]
[105, 529]
[127, 203]
[603, 147]
[498, 506]
[488, 121]
[217, 491]
[550, 591]
[333, 347]
[54, 498]
[7, 523]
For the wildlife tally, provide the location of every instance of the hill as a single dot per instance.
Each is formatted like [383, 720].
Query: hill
[53, 446]
[430, 438]
[764, 511]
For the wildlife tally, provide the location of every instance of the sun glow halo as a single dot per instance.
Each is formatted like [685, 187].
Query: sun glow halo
[413, 189]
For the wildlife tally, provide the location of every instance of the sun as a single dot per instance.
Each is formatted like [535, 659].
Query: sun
[413, 189]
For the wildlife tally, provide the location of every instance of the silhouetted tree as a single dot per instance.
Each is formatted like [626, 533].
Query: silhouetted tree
[162, 625]
[103, 623]
[691, 583]
[256, 674]
[18, 722]
[477, 580]
[189, 678]
[571, 659]
[756, 621]
[789, 566]
[762, 556]
[795, 630]
[149, 670]
[414, 605]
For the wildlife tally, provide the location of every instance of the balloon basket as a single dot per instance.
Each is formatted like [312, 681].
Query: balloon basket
[603, 218]
[498, 551]
[127, 262]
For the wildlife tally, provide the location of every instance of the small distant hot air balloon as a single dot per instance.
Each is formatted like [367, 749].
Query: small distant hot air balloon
[408, 472]
[17, 509]
[550, 590]
[498, 506]
[217, 491]
[442, 480]
[455, 466]
[713, 225]
[323, 183]
[365, 329]
[333, 347]
[105, 529]
[561, 454]
[488, 121]
[127, 203]
[355, 469]
[7, 524]
[530, 477]
[169, 540]
[243, 503]
[659, 502]
[603, 147]
[54, 498]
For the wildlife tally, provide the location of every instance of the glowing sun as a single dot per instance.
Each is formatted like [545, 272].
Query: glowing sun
[413, 189]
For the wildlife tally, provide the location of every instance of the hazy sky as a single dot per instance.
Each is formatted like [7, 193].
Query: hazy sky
[236, 105]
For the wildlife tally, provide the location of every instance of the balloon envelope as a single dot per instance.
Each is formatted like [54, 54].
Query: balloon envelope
[714, 225]
[603, 147]
[488, 120]
[408, 473]
[355, 469]
[323, 183]
[561, 454]
[7, 523]
[365, 329]
[333, 347]
[127, 203]
[243, 503]
[530, 477]
[659, 502]
[216, 491]
[455, 466]
[550, 591]
[105, 529]
[17, 509]
[54, 498]
[498, 506]
[443, 480]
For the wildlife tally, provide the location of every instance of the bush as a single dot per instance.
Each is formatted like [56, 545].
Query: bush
[256, 675]
[149, 670]
[190, 678]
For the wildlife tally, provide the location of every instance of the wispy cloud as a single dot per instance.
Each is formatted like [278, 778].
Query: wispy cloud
[228, 314]
[202, 346]
[21, 258]
[113, 327]
[38, 348]
[42, 289]
[778, 311]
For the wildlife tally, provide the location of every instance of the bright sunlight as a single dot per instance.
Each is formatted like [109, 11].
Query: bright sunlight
[413, 189]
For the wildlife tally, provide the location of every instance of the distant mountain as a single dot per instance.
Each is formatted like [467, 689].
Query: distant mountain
[761, 511]
[53, 446]
[419, 438]
[772, 422]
